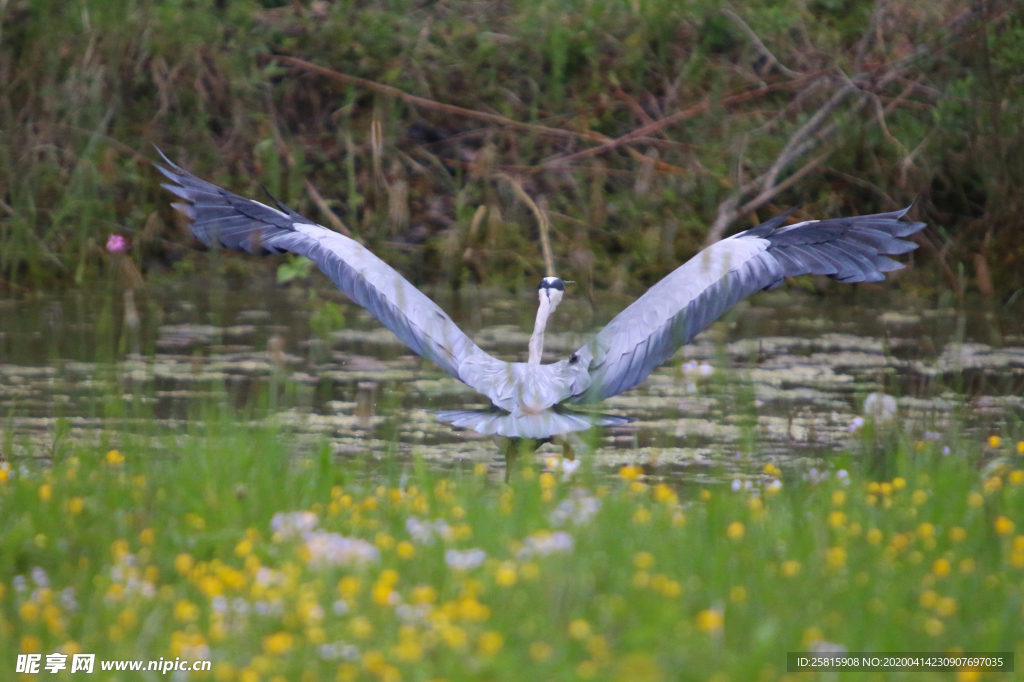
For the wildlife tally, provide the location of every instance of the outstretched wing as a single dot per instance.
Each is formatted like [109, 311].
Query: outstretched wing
[684, 303]
[240, 224]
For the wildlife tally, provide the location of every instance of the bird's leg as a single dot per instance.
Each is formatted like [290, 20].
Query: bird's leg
[511, 456]
[513, 448]
[567, 451]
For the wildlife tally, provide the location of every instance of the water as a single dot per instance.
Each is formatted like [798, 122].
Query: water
[781, 378]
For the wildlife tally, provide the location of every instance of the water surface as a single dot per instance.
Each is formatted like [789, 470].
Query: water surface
[780, 378]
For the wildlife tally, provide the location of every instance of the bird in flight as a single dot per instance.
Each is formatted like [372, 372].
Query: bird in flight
[530, 399]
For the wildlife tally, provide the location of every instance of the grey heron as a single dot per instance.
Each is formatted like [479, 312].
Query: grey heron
[530, 399]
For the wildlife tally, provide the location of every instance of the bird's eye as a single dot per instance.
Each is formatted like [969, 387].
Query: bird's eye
[574, 358]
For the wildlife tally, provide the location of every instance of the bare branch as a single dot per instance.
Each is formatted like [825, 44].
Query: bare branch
[431, 104]
[542, 220]
[760, 44]
[326, 210]
[689, 112]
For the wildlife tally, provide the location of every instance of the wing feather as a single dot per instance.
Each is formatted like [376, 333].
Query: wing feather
[677, 308]
[220, 217]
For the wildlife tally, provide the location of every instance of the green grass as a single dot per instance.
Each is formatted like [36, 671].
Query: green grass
[168, 551]
[85, 91]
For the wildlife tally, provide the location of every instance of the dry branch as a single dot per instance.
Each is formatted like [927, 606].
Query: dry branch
[542, 220]
[772, 60]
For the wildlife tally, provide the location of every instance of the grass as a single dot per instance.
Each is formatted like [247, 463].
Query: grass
[84, 91]
[193, 549]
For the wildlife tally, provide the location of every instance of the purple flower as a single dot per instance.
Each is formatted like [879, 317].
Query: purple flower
[116, 244]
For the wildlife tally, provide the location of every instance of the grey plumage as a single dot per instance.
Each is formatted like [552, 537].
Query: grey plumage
[620, 356]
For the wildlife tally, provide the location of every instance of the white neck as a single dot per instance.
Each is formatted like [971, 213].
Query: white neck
[537, 339]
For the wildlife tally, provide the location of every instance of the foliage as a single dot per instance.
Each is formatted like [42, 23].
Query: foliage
[294, 267]
[226, 547]
[934, 117]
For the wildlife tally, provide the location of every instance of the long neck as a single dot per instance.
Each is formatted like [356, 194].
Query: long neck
[537, 339]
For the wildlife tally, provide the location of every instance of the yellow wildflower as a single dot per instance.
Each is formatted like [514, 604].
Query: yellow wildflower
[874, 536]
[29, 611]
[919, 497]
[45, 492]
[710, 620]
[835, 557]
[1003, 525]
[454, 636]
[1020, 447]
[641, 516]
[967, 565]
[946, 607]
[811, 636]
[975, 500]
[772, 470]
[791, 568]
[838, 498]
[186, 611]
[490, 643]
[735, 531]
[837, 519]
[957, 534]
[579, 629]
[360, 627]
[586, 670]
[738, 594]
[183, 563]
[348, 587]
[941, 567]
[934, 627]
[114, 458]
[898, 483]
[424, 594]
[631, 472]
[994, 441]
[540, 651]
[506, 574]
[76, 505]
[147, 536]
[119, 548]
[643, 560]
[665, 495]
[1017, 475]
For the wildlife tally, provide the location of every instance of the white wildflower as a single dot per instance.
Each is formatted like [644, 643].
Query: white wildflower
[424, 532]
[578, 508]
[333, 549]
[288, 525]
[464, 560]
[544, 543]
[880, 406]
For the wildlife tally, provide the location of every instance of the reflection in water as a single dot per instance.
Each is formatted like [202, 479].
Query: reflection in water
[541, 426]
[781, 380]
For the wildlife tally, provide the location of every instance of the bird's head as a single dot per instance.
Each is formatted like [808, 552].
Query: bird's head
[550, 291]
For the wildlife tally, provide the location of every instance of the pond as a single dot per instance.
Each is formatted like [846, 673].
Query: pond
[779, 379]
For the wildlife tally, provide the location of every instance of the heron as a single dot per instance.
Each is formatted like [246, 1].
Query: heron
[533, 400]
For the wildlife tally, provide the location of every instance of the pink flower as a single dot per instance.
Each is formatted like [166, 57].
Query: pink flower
[116, 244]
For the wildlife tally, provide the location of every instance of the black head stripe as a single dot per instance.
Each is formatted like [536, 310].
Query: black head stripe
[551, 283]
